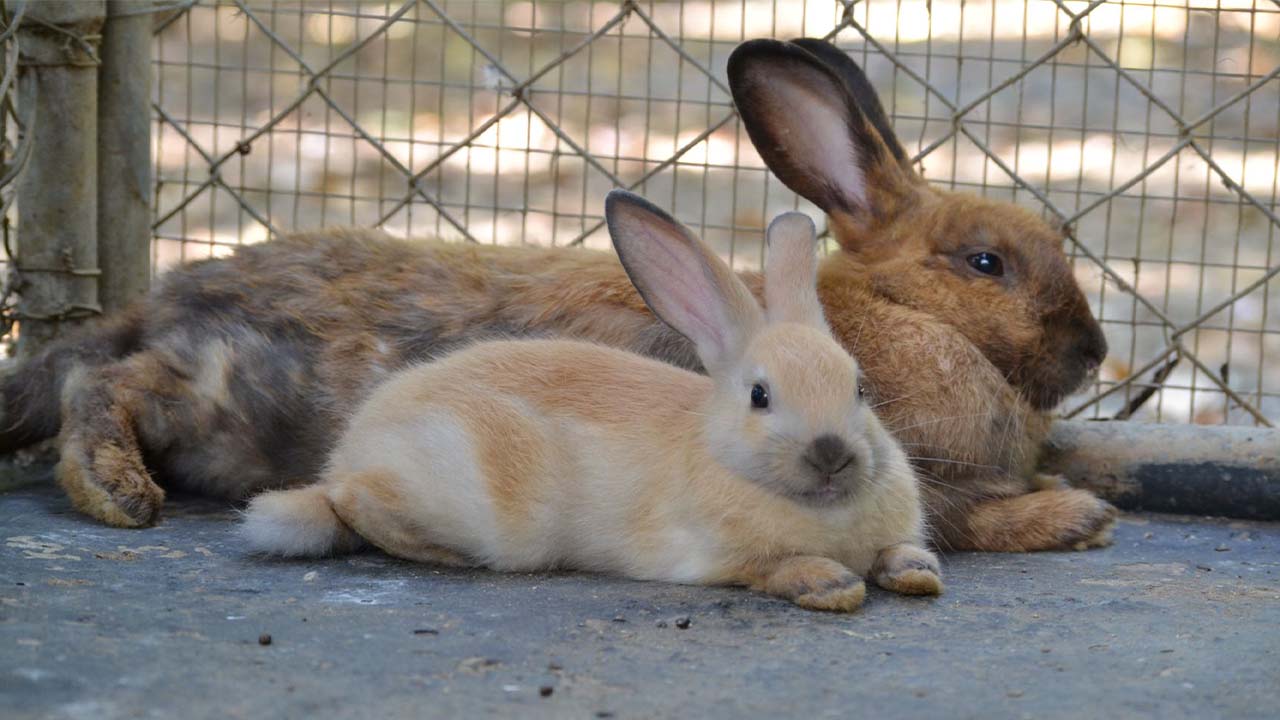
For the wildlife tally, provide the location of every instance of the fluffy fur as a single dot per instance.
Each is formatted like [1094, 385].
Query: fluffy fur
[297, 523]
[237, 375]
[525, 455]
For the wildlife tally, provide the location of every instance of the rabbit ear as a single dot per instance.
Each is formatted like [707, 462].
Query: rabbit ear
[791, 272]
[681, 280]
[811, 132]
[856, 82]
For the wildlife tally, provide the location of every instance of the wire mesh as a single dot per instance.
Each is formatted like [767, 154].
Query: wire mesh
[1150, 129]
[15, 148]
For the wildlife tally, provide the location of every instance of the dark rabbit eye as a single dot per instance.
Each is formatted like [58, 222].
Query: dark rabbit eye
[759, 397]
[862, 390]
[987, 264]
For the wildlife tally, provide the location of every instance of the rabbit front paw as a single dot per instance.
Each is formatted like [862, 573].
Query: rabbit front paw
[816, 583]
[908, 570]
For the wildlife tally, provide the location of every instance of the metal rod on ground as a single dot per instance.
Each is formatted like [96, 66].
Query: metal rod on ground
[57, 254]
[1187, 469]
[124, 154]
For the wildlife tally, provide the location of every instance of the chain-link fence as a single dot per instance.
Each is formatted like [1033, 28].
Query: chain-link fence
[15, 148]
[1149, 129]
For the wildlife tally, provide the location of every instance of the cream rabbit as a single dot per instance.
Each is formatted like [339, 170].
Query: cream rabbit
[523, 455]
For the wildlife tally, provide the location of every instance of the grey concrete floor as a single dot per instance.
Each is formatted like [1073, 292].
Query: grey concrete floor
[1180, 618]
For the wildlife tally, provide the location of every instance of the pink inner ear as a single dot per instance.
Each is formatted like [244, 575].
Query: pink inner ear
[817, 135]
[681, 289]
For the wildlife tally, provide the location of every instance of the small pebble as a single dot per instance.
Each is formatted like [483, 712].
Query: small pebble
[683, 622]
[1222, 548]
[1205, 568]
[1014, 693]
[555, 667]
[619, 619]
[604, 714]
[264, 639]
[661, 623]
[426, 631]
[1046, 650]
[546, 690]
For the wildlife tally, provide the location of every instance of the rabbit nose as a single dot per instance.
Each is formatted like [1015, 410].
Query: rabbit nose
[1093, 348]
[829, 454]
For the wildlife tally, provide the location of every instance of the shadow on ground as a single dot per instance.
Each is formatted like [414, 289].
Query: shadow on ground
[1180, 618]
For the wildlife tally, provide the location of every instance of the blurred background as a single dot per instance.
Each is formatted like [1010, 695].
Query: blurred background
[1150, 129]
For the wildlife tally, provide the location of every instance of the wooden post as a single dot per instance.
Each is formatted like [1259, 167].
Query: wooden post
[124, 154]
[57, 253]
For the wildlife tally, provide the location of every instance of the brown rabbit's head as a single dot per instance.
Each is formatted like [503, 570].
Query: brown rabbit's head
[992, 270]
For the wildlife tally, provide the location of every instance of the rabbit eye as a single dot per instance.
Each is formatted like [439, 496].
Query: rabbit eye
[862, 390]
[987, 264]
[759, 397]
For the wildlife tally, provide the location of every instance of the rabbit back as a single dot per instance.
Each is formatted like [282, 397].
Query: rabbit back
[519, 455]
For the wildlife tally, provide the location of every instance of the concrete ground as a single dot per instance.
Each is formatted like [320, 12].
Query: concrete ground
[1179, 619]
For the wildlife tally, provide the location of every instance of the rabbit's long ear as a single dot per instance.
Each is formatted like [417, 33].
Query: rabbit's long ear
[812, 132]
[856, 82]
[791, 272]
[681, 280]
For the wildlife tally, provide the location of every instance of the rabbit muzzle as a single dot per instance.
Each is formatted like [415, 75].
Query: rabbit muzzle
[834, 467]
[1067, 362]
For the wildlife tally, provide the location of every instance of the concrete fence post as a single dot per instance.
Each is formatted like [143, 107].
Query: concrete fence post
[124, 154]
[57, 251]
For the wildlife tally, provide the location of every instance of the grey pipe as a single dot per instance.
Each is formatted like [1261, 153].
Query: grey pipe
[1187, 469]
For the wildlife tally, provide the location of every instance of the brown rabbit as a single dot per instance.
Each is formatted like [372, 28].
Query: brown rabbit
[236, 375]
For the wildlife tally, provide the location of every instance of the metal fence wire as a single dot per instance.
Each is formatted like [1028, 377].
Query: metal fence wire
[15, 148]
[1149, 129]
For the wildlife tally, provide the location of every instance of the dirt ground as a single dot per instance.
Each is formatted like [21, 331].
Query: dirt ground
[1180, 618]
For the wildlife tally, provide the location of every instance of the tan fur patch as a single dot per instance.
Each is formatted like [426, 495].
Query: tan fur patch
[371, 504]
[510, 453]
[211, 385]
[646, 387]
